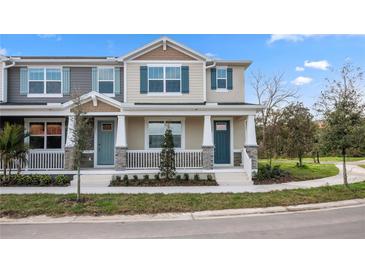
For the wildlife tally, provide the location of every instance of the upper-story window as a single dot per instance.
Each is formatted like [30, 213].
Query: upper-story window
[45, 81]
[106, 80]
[164, 78]
[222, 78]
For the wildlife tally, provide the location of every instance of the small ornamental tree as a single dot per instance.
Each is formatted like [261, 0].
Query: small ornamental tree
[167, 158]
[80, 136]
[298, 130]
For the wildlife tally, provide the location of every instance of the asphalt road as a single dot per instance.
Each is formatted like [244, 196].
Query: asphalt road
[335, 223]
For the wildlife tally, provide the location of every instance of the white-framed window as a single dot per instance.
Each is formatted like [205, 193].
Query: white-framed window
[164, 79]
[45, 81]
[45, 133]
[156, 130]
[222, 78]
[106, 80]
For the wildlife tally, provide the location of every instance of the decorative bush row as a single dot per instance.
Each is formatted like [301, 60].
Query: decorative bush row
[35, 180]
[155, 180]
[267, 174]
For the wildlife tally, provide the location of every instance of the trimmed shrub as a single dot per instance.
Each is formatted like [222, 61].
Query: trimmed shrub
[157, 177]
[267, 172]
[62, 180]
[196, 177]
[209, 177]
[146, 177]
[135, 178]
[125, 178]
[178, 177]
[186, 177]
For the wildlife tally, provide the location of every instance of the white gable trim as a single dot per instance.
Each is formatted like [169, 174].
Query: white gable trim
[160, 42]
[94, 96]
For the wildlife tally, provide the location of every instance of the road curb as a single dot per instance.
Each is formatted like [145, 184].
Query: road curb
[199, 215]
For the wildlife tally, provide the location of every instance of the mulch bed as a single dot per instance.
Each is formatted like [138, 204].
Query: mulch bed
[280, 180]
[164, 183]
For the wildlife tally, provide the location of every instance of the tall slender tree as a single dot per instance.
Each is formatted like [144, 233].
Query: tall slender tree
[167, 160]
[342, 106]
[80, 136]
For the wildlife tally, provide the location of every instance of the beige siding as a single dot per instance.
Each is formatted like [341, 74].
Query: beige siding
[237, 94]
[168, 54]
[238, 132]
[195, 86]
[135, 132]
[194, 132]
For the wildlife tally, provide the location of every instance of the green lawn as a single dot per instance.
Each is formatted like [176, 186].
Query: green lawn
[322, 159]
[362, 166]
[309, 172]
[12, 205]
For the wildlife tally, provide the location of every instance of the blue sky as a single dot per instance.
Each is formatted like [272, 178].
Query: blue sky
[307, 59]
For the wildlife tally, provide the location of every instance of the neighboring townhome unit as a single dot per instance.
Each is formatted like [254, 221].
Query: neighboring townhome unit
[131, 100]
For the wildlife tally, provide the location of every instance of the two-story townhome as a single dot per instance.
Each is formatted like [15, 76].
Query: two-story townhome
[132, 100]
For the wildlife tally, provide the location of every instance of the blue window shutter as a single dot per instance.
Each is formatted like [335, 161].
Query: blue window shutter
[143, 79]
[185, 79]
[66, 81]
[213, 78]
[23, 81]
[117, 80]
[229, 78]
[94, 79]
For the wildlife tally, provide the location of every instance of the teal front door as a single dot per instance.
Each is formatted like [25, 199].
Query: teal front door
[105, 143]
[222, 142]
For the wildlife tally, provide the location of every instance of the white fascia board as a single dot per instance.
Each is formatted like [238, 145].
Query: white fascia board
[160, 41]
[172, 107]
[48, 60]
[183, 113]
[88, 97]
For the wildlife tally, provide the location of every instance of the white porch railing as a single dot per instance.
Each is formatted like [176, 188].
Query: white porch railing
[247, 164]
[147, 159]
[41, 160]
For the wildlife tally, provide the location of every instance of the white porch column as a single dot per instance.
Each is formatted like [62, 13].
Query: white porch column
[69, 146]
[207, 146]
[250, 131]
[251, 143]
[121, 144]
[121, 132]
[70, 130]
[207, 133]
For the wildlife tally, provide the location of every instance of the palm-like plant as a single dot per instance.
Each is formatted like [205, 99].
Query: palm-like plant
[12, 146]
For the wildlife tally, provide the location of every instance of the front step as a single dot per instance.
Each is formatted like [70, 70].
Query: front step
[229, 178]
[93, 179]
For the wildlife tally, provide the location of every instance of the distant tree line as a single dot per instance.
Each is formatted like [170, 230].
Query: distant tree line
[286, 128]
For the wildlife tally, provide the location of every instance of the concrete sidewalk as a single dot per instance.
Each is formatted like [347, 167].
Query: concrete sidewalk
[355, 174]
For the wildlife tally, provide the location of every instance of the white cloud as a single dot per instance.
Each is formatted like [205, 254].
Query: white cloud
[299, 69]
[2, 51]
[288, 37]
[322, 64]
[212, 55]
[301, 80]
[50, 36]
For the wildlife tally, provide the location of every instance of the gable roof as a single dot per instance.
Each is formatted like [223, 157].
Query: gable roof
[163, 42]
[94, 96]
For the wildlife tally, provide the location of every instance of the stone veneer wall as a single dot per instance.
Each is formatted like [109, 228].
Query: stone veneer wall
[120, 158]
[252, 153]
[237, 158]
[208, 159]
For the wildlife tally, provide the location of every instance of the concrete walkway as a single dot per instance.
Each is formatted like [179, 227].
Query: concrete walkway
[355, 174]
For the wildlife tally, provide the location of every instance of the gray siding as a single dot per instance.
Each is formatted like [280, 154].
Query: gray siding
[80, 80]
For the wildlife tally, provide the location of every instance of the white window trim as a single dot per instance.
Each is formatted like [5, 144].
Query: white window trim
[226, 78]
[28, 121]
[164, 119]
[106, 67]
[44, 94]
[164, 92]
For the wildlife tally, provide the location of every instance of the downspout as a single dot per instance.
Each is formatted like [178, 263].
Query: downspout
[205, 79]
[5, 89]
